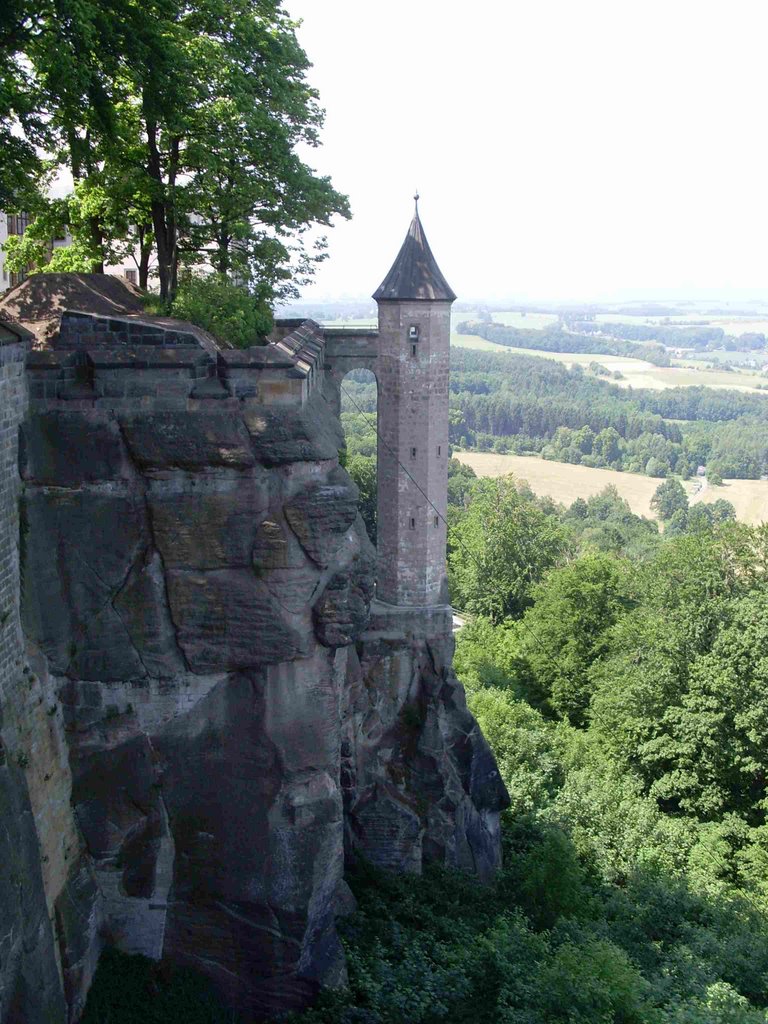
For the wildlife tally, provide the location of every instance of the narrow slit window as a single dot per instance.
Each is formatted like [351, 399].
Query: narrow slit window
[413, 351]
[437, 521]
[413, 453]
[413, 523]
[439, 449]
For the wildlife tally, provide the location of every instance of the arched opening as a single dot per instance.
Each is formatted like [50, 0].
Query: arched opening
[359, 417]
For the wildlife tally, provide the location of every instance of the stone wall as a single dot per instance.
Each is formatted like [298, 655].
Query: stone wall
[30, 985]
[213, 692]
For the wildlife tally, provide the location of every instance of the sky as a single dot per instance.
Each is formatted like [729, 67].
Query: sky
[563, 150]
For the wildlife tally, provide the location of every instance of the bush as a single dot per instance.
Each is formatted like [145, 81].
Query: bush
[233, 315]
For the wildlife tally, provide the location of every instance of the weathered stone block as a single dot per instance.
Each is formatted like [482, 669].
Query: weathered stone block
[341, 613]
[321, 514]
[307, 434]
[79, 550]
[142, 605]
[188, 440]
[276, 548]
[67, 448]
[227, 619]
[208, 525]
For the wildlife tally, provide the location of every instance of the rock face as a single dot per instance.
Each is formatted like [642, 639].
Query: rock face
[233, 718]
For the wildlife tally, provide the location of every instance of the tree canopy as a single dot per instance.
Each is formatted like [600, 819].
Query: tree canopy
[180, 124]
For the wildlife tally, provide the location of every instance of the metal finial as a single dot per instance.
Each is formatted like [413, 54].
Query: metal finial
[416, 200]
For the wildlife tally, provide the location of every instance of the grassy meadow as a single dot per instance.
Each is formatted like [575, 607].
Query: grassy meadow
[564, 483]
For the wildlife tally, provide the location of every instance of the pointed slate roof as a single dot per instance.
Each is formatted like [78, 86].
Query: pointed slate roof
[415, 273]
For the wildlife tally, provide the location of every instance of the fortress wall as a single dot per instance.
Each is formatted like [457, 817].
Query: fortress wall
[114, 362]
[12, 407]
[30, 986]
[207, 683]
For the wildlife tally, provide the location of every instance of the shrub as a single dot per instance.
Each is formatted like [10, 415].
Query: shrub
[231, 313]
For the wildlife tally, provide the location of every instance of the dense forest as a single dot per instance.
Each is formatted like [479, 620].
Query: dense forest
[506, 402]
[620, 677]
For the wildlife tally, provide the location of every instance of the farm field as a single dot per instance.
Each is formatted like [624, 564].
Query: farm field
[531, 321]
[748, 497]
[564, 483]
[473, 341]
[637, 372]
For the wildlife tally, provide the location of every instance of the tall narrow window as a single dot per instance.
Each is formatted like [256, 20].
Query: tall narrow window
[437, 521]
[413, 351]
[413, 523]
[413, 453]
[439, 449]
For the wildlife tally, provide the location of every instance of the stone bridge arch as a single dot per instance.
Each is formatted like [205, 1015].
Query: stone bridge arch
[347, 350]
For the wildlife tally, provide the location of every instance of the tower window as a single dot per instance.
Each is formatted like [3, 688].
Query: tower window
[413, 453]
[437, 521]
[439, 449]
[413, 523]
[413, 351]
[413, 332]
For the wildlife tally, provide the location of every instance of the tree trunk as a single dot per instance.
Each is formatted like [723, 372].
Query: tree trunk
[162, 219]
[97, 241]
[145, 252]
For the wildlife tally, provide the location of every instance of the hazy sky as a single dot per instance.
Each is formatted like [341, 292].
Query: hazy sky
[562, 149]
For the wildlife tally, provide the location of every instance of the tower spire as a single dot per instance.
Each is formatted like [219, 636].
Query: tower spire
[415, 273]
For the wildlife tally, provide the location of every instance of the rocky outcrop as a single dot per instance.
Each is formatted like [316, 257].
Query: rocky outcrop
[235, 716]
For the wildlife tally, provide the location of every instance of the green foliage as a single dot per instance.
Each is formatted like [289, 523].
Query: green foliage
[135, 990]
[668, 498]
[500, 548]
[566, 631]
[228, 311]
[187, 118]
[362, 469]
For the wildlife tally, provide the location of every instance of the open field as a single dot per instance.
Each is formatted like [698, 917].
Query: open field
[473, 341]
[724, 356]
[531, 321]
[637, 372]
[748, 497]
[565, 483]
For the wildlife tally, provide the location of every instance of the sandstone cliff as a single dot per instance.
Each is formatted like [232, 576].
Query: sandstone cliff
[211, 715]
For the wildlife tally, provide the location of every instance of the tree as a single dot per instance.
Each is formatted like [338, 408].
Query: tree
[668, 498]
[656, 467]
[188, 117]
[722, 511]
[499, 548]
[566, 630]
[699, 517]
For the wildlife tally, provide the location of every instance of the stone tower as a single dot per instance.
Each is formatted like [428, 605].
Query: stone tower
[414, 303]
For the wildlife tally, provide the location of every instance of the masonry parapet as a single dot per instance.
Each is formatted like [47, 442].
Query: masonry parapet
[113, 361]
